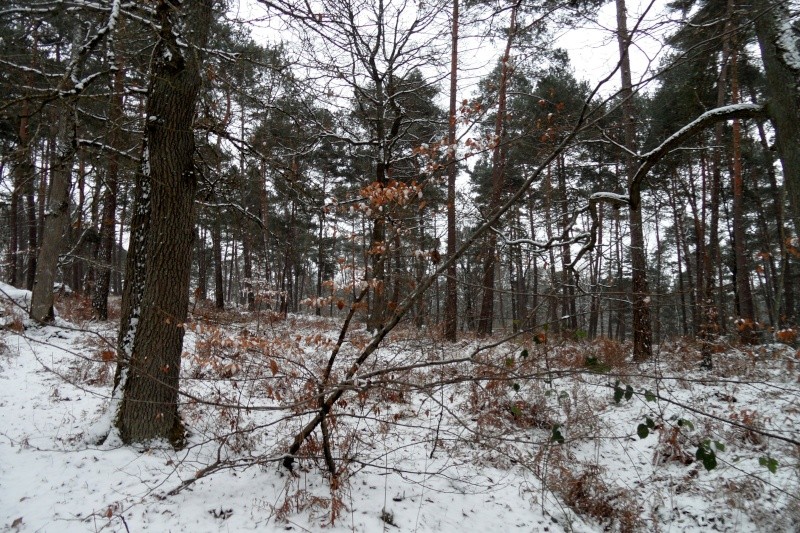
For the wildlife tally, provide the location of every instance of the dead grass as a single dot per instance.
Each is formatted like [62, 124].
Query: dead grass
[586, 492]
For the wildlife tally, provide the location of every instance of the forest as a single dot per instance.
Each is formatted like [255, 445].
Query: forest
[382, 252]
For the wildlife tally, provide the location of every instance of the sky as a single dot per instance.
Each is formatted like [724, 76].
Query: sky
[591, 45]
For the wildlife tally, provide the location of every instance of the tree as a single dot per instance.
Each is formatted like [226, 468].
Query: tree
[778, 32]
[451, 299]
[73, 83]
[102, 281]
[486, 319]
[156, 295]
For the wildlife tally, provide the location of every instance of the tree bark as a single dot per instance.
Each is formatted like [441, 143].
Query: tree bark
[23, 180]
[780, 44]
[153, 341]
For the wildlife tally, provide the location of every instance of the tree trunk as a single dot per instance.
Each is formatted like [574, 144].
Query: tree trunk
[498, 179]
[780, 43]
[744, 295]
[451, 298]
[30, 208]
[642, 325]
[159, 296]
[108, 223]
[216, 246]
[23, 179]
[56, 220]
[201, 293]
[13, 228]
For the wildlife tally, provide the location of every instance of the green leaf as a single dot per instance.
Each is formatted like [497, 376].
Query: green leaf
[710, 461]
[618, 392]
[683, 422]
[769, 463]
[515, 386]
[649, 396]
[524, 353]
[642, 431]
[719, 446]
[649, 422]
[516, 411]
[556, 436]
[509, 362]
[707, 456]
[628, 392]
[580, 334]
[595, 365]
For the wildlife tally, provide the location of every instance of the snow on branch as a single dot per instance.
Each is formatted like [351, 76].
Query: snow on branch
[788, 41]
[236, 207]
[107, 148]
[29, 70]
[649, 159]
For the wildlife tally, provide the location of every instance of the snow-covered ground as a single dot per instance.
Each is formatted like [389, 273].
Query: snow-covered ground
[538, 443]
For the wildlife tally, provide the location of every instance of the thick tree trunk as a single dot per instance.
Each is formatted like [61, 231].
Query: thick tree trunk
[152, 357]
[779, 41]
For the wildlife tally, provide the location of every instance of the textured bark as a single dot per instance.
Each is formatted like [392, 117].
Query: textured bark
[451, 297]
[780, 43]
[640, 293]
[55, 221]
[569, 311]
[149, 379]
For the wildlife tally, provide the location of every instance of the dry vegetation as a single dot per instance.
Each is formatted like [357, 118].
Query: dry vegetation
[540, 405]
[625, 447]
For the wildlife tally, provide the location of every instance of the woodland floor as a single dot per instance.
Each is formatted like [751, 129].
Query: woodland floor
[524, 436]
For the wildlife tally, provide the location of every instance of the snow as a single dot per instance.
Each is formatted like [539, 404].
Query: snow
[495, 466]
[611, 197]
[788, 42]
[146, 162]
[723, 110]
